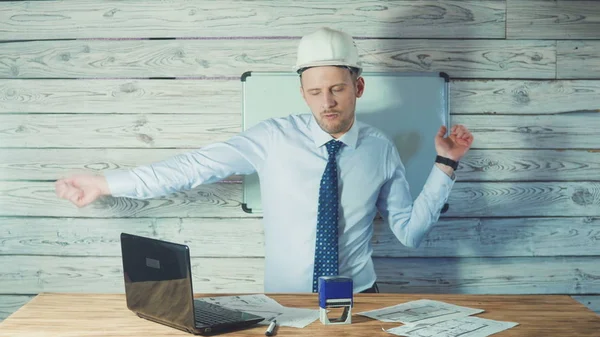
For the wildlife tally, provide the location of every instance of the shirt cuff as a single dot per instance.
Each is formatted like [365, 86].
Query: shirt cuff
[120, 183]
[439, 183]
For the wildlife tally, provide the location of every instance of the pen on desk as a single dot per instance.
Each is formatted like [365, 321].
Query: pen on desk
[271, 329]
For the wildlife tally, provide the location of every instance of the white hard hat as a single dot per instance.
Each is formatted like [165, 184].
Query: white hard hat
[327, 47]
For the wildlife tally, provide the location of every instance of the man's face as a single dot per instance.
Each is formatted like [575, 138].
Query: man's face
[331, 94]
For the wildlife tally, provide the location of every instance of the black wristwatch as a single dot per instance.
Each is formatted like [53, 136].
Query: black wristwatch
[446, 161]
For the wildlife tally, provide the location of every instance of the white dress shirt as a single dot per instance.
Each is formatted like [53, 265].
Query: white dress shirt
[289, 156]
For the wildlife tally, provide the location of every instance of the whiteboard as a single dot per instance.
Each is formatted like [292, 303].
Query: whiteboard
[408, 107]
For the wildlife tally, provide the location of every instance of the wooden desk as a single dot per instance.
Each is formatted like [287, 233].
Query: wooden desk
[83, 315]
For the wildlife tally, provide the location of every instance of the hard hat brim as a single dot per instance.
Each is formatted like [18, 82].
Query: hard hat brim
[299, 67]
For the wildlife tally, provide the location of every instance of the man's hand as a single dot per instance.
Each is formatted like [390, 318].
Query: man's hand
[456, 145]
[82, 190]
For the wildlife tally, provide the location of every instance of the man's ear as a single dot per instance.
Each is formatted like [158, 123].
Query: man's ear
[360, 86]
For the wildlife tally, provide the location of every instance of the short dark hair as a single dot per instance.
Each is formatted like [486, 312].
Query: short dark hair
[354, 72]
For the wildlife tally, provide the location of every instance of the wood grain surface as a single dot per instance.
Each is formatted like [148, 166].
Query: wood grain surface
[231, 237]
[180, 18]
[541, 19]
[477, 165]
[578, 59]
[506, 275]
[577, 130]
[232, 57]
[217, 96]
[72, 314]
[478, 199]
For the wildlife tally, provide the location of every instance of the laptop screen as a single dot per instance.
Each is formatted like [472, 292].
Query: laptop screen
[158, 282]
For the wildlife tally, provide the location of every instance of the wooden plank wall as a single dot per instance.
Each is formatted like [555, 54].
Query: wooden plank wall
[89, 86]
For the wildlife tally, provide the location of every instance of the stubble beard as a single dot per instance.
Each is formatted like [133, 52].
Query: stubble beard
[335, 127]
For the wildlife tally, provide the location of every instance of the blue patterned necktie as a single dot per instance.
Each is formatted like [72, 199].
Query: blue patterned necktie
[326, 248]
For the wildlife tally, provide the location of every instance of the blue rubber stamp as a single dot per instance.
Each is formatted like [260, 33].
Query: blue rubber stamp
[335, 292]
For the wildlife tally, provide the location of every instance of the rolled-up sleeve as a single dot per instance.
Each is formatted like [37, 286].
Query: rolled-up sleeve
[410, 221]
[242, 154]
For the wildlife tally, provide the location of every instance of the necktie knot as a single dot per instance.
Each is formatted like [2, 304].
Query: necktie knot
[333, 146]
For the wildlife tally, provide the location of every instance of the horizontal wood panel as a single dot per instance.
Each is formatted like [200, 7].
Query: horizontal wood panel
[52, 164]
[34, 274]
[529, 165]
[498, 238]
[565, 131]
[232, 57]
[117, 131]
[541, 19]
[206, 237]
[209, 237]
[224, 96]
[39, 199]
[524, 97]
[477, 165]
[568, 131]
[121, 96]
[578, 59]
[11, 303]
[482, 199]
[590, 301]
[524, 199]
[179, 18]
[541, 275]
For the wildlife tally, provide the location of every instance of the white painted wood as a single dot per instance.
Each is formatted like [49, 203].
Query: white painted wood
[206, 237]
[541, 19]
[39, 199]
[498, 237]
[478, 199]
[11, 303]
[52, 164]
[578, 59]
[524, 199]
[540, 275]
[224, 96]
[568, 131]
[590, 301]
[117, 131]
[231, 237]
[179, 18]
[121, 96]
[525, 97]
[529, 165]
[232, 57]
[35, 274]
[477, 165]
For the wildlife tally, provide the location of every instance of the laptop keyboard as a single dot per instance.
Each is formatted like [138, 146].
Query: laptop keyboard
[210, 314]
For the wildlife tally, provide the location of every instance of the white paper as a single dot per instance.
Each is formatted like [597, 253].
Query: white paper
[420, 311]
[268, 308]
[460, 327]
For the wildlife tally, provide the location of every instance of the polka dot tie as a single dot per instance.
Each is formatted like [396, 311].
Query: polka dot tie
[326, 248]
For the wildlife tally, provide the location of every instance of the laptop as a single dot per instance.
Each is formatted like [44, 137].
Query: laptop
[158, 287]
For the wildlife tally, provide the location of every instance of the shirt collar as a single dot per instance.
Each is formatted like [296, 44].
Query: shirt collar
[321, 137]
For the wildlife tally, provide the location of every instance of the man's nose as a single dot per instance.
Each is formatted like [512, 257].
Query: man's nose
[328, 101]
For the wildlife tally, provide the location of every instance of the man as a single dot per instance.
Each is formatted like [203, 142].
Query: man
[323, 176]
